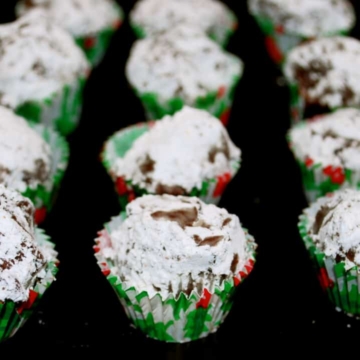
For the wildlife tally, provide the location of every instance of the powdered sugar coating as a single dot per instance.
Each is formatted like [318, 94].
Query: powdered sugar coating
[169, 244]
[37, 59]
[21, 259]
[334, 226]
[327, 71]
[181, 150]
[333, 139]
[79, 17]
[25, 158]
[181, 63]
[156, 16]
[309, 18]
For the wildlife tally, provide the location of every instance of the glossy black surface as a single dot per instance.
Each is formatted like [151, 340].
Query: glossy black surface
[279, 307]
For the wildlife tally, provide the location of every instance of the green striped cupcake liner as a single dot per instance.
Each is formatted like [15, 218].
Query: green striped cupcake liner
[121, 142]
[43, 196]
[341, 286]
[178, 320]
[217, 103]
[278, 42]
[14, 315]
[96, 44]
[60, 110]
[319, 180]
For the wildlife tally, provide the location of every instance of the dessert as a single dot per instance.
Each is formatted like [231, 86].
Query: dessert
[287, 23]
[189, 153]
[42, 72]
[175, 261]
[27, 262]
[92, 23]
[183, 67]
[323, 76]
[151, 17]
[330, 231]
[32, 160]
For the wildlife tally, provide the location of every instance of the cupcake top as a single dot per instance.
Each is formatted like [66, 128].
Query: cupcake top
[22, 261]
[181, 63]
[168, 244]
[327, 71]
[332, 139]
[37, 59]
[309, 18]
[334, 226]
[25, 158]
[156, 16]
[79, 17]
[178, 153]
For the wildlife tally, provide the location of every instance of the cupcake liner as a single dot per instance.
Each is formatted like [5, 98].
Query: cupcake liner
[217, 103]
[181, 319]
[96, 44]
[14, 315]
[219, 34]
[341, 286]
[278, 42]
[43, 195]
[117, 146]
[60, 110]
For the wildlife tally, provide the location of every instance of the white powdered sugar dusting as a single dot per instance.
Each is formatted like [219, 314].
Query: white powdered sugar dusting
[21, 259]
[181, 63]
[37, 59]
[169, 244]
[334, 226]
[25, 157]
[327, 71]
[156, 16]
[332, 139]
[181, 150]
[309, 18]
[79, 17]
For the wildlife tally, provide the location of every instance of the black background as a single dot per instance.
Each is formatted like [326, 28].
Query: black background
[279, 310]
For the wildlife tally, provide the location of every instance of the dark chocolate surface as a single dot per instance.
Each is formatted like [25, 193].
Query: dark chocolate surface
[279, 310]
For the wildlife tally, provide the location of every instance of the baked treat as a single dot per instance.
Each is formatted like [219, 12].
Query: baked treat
[189, 153]
[32, 160]
[183, 66]
[175, 261]
[151, 17]
[92, 23]
[287, 23]
[323, 76]
[328, 151]
[329, 229]
[42, 72]
[27, 261]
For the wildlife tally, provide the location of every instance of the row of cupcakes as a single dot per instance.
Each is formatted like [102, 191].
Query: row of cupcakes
[309, 40]
[46, 57]
[172, 256]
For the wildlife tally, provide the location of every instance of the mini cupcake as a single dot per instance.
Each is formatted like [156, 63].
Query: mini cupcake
[189, 153]
[323, 75]
[42, 72]
[151, 17]
[328, 152]
[287, 23]
[330, 231]
[92, 23]
[28, 262]
[183, 66]
[32, 160]
[174, 263]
